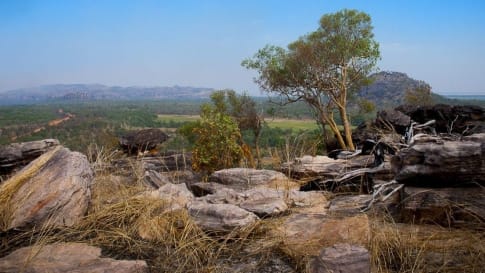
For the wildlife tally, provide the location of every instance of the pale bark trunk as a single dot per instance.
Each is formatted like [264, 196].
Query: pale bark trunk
[347, 128]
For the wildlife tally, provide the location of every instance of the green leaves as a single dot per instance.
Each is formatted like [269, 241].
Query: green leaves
[323, 67]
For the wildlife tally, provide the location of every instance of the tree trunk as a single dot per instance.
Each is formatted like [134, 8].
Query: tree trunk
[257, 136]
[336, 131]
[347, 128]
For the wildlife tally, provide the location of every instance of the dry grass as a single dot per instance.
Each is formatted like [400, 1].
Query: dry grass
[425, 248]
[128, 226]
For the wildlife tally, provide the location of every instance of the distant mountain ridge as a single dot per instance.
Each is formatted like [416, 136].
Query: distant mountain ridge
[68, 92]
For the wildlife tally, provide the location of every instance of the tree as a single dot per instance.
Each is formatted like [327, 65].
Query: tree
[322, 68]
[420, 96]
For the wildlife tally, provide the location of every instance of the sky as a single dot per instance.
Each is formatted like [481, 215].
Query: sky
[201, 43]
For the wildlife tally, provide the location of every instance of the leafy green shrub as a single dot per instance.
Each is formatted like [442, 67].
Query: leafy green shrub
[217, 144]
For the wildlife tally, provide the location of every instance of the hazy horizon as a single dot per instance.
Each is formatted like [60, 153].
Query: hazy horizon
[202, 43]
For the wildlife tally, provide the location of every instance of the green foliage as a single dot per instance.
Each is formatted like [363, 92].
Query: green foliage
[322, 68]
[217, 144]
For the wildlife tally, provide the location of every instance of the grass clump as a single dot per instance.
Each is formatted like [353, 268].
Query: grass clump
[425, 248]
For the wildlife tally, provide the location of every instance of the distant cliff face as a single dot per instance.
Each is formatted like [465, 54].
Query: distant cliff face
[388, 88]
[84, 92]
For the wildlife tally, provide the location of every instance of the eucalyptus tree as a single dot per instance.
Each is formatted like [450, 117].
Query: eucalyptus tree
[322, 68]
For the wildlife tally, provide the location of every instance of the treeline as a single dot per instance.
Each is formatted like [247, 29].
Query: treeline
[101, 123]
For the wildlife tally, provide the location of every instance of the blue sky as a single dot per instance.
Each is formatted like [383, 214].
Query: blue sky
[202, 42]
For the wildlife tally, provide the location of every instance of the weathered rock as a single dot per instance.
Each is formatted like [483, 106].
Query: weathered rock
[154, 179]
[466, 120]
[143, 140]
[349, 204]
[17, 155]
[265, 206]
[165, 163]
[200, 189]
[223, 196]
[54, 189]
[444, 206]
[434, 162]
[220, 217]
[177, 196]
[241, 179]
[261, 201]
[66, 257]
[341, 258]
[307, 199]
[305, 234]
[324, 167]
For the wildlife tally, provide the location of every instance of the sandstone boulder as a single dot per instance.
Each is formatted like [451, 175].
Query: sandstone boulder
[220, 217]
[177, 196]
[154, 179]
[66, 257]
[17, 155]
[54, 189]
[434, 162]
[264, 207]
[143, 140]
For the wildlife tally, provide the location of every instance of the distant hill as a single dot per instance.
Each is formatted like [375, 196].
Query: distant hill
[82, 92]
[388, 88]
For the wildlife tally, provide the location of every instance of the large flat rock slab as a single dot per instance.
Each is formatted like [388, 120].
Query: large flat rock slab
[66, 257]
[435, 162]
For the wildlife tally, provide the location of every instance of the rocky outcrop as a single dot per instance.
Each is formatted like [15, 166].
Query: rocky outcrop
[143, 140]
[436, 162]
[17, 155]
[241, 179]
[66, 257]
[54, 189]
[341, 258]
[220, 217]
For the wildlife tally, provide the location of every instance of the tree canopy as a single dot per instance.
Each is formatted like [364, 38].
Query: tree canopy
[322, 68]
